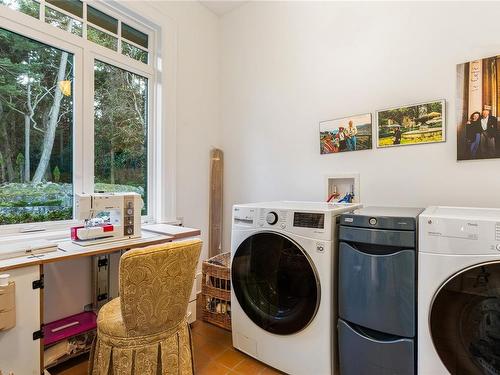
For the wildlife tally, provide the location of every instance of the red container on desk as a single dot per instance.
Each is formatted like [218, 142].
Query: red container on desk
[68, 327]
[74, 232]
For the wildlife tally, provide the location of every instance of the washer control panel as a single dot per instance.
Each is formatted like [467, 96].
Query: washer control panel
[309, 220]
[306, 219]
[303, 223]
[452, 235]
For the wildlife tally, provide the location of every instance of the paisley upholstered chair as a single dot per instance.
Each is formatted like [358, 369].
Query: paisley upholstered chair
[145, 330]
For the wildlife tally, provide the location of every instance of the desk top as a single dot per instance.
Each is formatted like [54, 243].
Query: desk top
[171, 230]
[68, 250]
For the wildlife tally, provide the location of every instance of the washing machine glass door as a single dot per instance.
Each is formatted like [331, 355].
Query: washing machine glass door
[275, 283]
[465, 321]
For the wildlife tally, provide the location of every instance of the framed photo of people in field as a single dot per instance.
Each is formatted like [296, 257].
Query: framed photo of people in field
[345, 134]
[477, 109]
[412, 124]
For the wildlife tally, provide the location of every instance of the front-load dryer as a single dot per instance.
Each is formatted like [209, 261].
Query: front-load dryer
[459, 291]
[283, 294]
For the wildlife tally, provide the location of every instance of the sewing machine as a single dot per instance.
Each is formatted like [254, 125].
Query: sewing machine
[107, 217]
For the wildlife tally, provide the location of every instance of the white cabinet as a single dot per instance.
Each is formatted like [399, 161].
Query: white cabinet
[19, 353]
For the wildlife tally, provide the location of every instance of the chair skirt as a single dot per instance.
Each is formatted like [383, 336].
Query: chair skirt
[165, 353]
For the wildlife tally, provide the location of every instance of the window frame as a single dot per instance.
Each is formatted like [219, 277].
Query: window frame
[85, 53]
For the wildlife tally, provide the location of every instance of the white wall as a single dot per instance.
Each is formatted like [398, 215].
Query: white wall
[287, 66]
[191, 101]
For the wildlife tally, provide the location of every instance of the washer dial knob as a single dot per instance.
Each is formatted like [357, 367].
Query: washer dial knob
[272, 218]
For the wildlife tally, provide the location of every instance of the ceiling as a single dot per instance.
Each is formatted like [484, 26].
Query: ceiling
[222, 7]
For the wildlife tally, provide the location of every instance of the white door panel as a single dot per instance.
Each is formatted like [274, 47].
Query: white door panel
[19, 353]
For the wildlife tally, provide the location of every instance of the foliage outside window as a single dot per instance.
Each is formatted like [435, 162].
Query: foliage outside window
[120, 123]
[102, 38]
[63, 21]
[134, 52]
[36, 131]
[29, 7]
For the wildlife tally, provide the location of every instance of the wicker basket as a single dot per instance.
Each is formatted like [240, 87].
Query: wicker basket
[216, 290]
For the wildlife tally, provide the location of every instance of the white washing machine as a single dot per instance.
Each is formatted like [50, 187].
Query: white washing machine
[283, 294]
[459, 291]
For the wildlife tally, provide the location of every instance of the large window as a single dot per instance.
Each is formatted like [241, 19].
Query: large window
[76, 97]
[36, 131]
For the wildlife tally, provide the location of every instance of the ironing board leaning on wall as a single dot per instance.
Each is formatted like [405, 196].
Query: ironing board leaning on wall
[215, 204]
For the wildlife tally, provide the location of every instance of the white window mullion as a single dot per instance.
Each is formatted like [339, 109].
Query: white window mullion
[153, 155]
[119, 37]
[42, 10]
[84, 26]
[88, 135]
[79, 124]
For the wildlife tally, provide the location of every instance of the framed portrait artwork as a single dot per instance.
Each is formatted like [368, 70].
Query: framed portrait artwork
[477, 109]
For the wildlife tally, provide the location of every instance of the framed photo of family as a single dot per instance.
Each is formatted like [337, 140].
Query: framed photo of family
[477, 109]
[353, 133]
[412, 124]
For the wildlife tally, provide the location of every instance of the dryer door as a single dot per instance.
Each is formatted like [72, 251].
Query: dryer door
[465, 321]
[275, 283]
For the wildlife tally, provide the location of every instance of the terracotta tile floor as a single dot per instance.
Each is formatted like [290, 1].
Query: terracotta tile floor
[214, 353]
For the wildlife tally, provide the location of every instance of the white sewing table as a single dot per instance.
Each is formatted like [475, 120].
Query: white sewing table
[59, 282]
